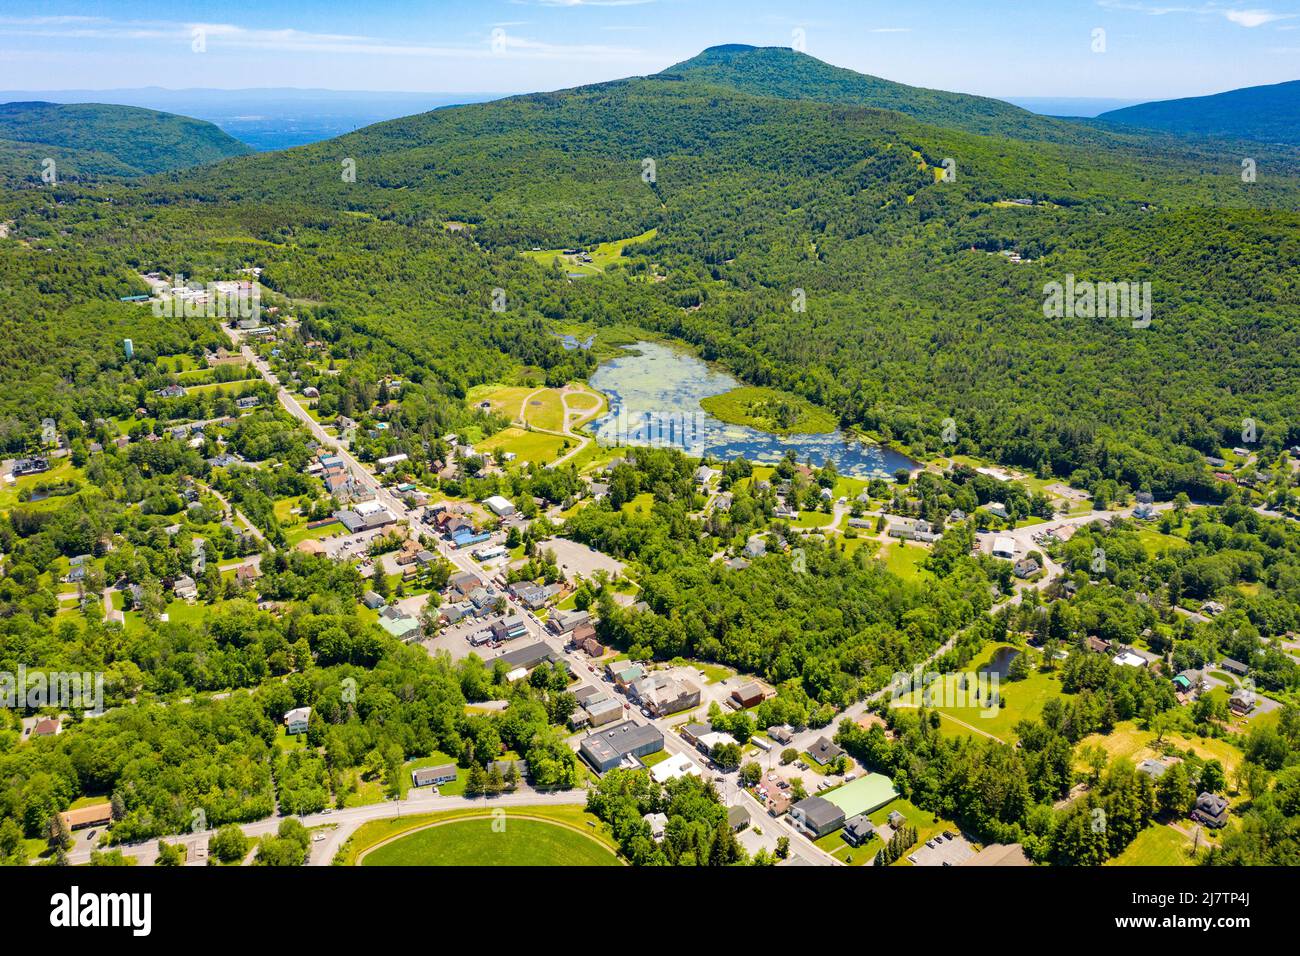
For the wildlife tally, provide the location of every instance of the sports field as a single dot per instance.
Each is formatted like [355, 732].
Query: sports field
[485, 841]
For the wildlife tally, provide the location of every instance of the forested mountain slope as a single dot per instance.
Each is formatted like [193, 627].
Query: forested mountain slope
[1269, 114]
[100, 139]
[787, 74]
[912, 316]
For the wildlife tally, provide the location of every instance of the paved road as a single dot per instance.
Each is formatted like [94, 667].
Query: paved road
[346, 821]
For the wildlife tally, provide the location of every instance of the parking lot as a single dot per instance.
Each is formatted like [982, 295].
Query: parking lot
[942, 851]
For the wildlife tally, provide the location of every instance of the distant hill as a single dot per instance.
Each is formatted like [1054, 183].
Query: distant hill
[97, 139]
[788, 74]
[1269, 114]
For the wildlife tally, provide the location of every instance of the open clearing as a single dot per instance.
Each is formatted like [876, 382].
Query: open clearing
[487, 841]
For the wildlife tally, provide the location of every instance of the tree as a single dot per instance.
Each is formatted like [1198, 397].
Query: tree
[170, 854]
[782, 847]
[228, 844]
[789, 755]
[750, 774]
[59, 836]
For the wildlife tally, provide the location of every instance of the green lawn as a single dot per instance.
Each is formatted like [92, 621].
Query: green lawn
[452, 789]
[905, 559]
[640, 505]
[63, 471]
[602, 255]
[527, 446]
[1023, 700]
[485, 841]
[1156, 846]
[812, 519]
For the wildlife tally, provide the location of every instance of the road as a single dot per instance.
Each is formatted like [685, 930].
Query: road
[345, 823]
[733, 794]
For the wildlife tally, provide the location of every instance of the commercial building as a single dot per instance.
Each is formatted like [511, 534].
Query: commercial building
[621, 743]
[817, 816]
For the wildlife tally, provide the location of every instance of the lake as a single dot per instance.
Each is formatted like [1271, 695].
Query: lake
[654, 398]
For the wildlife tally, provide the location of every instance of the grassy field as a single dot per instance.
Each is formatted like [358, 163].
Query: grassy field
[60, 472]
[905, 560]
[561, 827]
[640, 505]
[601, 256]
[812, 519]
[1155, 543]
[1024, 699]
[528, 446]
[1156, 846]
[770, 410]
[542, 408]
[1129, 741]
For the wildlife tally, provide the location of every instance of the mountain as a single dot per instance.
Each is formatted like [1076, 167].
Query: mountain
[924, 294]
[269, 118]
[102, 139]
[1267, 114]
[788, 74]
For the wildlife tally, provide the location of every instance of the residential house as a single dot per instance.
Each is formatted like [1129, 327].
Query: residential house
[1155, 769]
[1242, 701]
[295, 721]
[1025, 568]
[824, 751]
[858, 830]
[781, 734]
[433, 776]
[1211, 810]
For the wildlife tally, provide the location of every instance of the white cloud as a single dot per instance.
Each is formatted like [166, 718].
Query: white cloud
[1241, 17]
[1255, 18]
[232, 36]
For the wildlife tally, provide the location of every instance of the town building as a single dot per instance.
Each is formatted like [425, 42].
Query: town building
[621, 744]
[817, 816]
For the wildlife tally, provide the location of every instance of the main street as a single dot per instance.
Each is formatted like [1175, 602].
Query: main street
[732, 792]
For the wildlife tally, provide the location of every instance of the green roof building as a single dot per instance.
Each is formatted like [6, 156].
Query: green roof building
[864, 795]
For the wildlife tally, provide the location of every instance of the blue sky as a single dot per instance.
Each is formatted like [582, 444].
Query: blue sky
[1153, 48]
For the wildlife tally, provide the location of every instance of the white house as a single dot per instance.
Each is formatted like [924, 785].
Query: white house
[1129, 659]
[1004, 547]
[295, 721]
